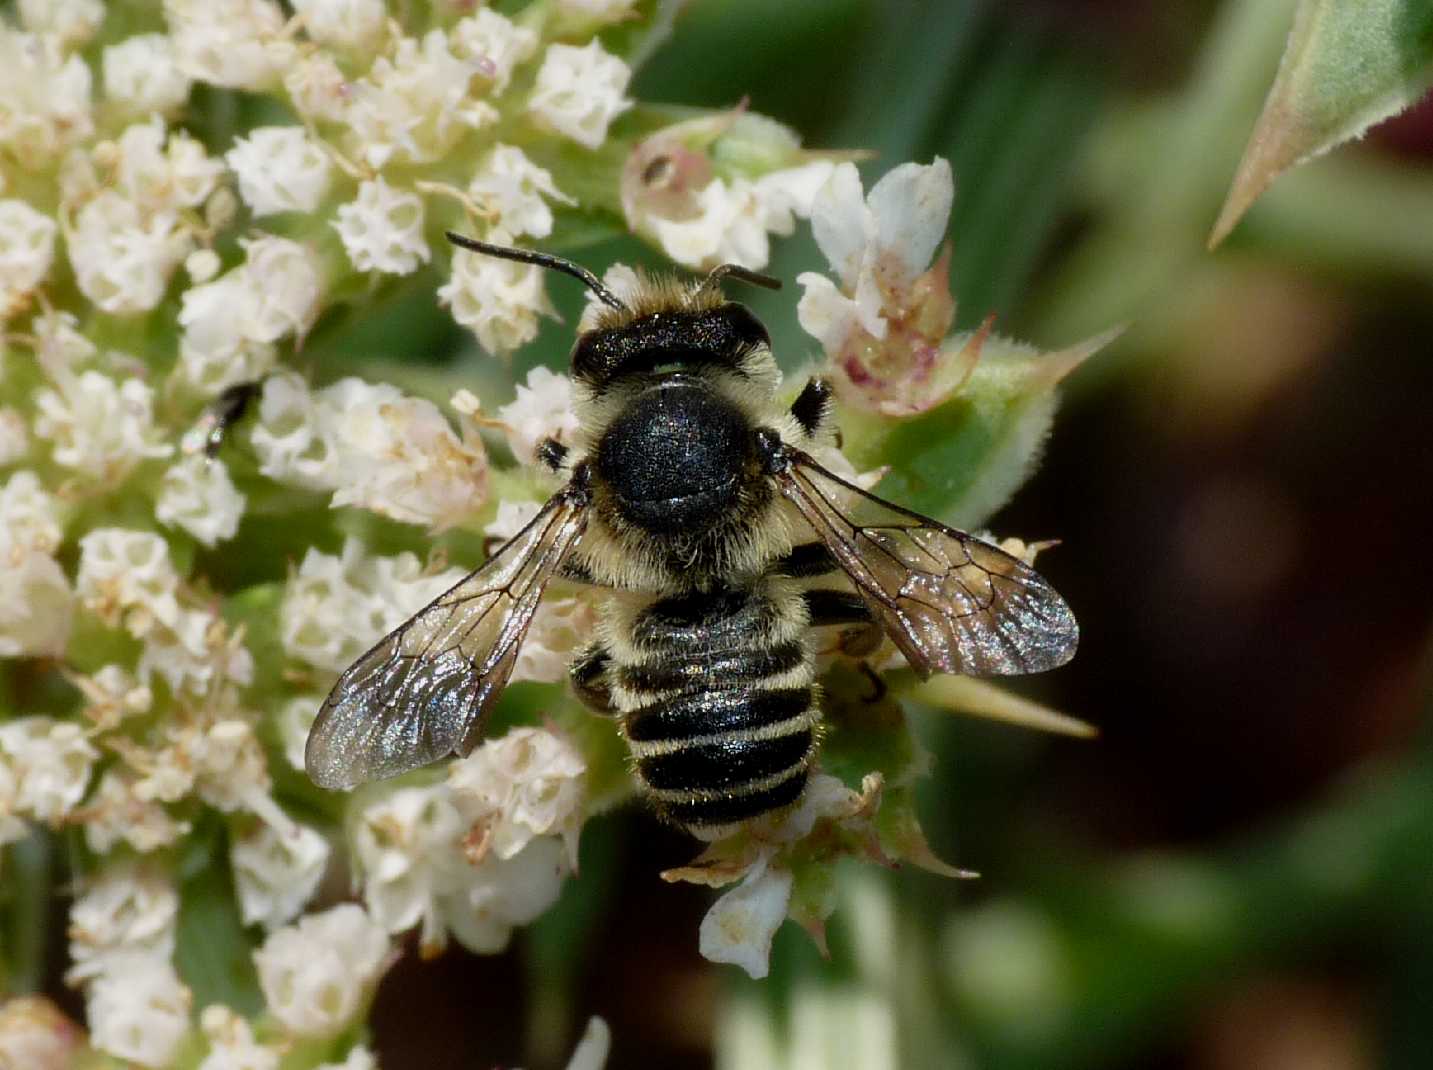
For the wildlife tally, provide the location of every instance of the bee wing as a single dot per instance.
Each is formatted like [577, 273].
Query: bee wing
[424, 689]
[951, 602]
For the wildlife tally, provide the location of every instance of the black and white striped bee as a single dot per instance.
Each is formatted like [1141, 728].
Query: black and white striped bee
[717, 544]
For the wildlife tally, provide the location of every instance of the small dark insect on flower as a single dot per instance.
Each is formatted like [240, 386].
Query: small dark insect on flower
[224, 412]
[693, 505]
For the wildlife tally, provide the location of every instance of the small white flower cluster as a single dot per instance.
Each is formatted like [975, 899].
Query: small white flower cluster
[44, 769]
[316, 974]
[130, 198]
[36, 604]
[335, 608]
[672, 195]
[122, 935]
[126, 578]
[480, 853]
[373, 447]
[231, 325]
[884, 326]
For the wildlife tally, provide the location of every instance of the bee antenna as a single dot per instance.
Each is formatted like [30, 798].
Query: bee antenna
[545, 260]
[736, 271]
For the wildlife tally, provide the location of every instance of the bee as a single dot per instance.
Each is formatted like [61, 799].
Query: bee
[691, 502]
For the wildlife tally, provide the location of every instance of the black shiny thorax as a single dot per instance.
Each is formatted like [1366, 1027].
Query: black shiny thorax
[677, 456]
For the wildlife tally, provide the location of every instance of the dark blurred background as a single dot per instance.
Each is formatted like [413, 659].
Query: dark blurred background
[1239, 871]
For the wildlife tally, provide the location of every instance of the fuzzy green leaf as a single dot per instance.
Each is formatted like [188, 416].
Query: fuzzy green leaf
[1348, 64]
[962, 460]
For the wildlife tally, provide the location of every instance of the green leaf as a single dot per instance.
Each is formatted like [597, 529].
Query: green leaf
[1348, 64]
[962, 460]
[213, 951]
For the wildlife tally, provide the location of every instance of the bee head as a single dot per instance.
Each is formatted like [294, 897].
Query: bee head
[675, 337]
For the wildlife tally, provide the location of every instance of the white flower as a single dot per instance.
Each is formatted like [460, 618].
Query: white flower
[580, 91]
[123, 259]
[276, 872]
[542, 409]
[284, 280]
[407, 846]
[14, 435]
[280, 169]
[139, 1010]
[73, 22]
[558, 628]
[876, 246]
[513, 187]
[191, 651]
[231, 324]
[383, 229]
[511, 518]
[99, 427]
[115, 812]
[202, 265]
[49, 763]
[46, 95]
[161, 170]
[495, 44]
[334, 608]
[317, 87]
[27, 249]
[35, 1035]
[198, 496]
[142, 73]
[287, 437]
[231, 772]
[294, 720]
[741, 924]
[498, 300]
[231, 1042]
[36, 605]
[128, 911]
[353, 26]
[415, 106]
[122, 570]
[59, 345]
[730, 223]
[527, 784]
[596, 1043]
[236, 44]
[316, 974]
[218, 347]
[397, 456]
[30, 517]
[502, 893]
[410, 845]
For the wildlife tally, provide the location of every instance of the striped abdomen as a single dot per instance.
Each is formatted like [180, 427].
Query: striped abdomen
[718, 705]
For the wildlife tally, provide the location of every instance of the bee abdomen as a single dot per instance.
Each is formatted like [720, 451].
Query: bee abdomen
[719, 707]
[711, 759]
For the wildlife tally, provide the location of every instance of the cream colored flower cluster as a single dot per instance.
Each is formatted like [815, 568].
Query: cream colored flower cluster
[170, 620]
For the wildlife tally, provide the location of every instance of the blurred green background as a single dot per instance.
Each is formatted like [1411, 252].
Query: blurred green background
[1239, 872]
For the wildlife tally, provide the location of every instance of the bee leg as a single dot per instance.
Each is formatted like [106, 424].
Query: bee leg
[588, 673]
[845, 607]
[812, 406]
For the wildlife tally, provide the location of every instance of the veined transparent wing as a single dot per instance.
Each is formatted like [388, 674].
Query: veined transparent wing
[424, 689]
[951, 602]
